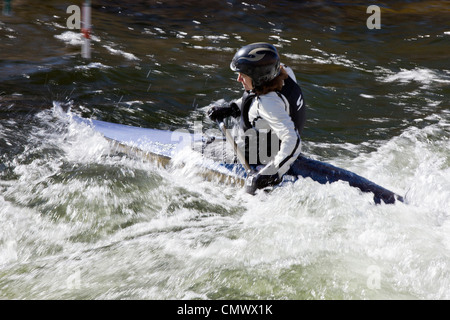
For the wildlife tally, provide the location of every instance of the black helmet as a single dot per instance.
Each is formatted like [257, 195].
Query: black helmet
[260, 61]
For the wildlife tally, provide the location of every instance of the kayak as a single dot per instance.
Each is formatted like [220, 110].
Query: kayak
[217, 161]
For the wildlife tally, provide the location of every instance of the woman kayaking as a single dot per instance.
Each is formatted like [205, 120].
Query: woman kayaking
[271, 111]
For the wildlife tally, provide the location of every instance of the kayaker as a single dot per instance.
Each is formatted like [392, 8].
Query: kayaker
[271, 111]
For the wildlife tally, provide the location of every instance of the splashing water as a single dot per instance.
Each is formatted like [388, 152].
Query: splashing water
[80, 219]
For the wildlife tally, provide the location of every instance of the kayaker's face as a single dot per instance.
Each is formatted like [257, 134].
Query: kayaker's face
[246, 81]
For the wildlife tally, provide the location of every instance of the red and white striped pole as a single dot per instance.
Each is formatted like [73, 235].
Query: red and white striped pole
[86, 30]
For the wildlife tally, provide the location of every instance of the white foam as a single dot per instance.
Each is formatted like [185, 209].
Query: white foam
[198, 237]
[71, 38]
[127, 55]
[422, 75]
[328, 58]
[74, 38]
[93, 65]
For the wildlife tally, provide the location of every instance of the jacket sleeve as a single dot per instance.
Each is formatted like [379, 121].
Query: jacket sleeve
[274, 111]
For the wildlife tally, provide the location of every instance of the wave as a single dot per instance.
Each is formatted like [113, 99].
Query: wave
[198, 237]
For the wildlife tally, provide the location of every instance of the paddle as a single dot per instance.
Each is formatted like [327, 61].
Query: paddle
[238, 151]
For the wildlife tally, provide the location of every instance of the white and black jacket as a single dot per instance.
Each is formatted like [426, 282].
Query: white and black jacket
[271, 125]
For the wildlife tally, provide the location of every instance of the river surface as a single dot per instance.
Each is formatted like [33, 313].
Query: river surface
[80, 220]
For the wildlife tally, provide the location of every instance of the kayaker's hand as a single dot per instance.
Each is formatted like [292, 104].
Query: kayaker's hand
[260, 181]
[218, 113]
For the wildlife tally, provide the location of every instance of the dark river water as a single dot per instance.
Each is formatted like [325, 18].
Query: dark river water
[79, 220]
